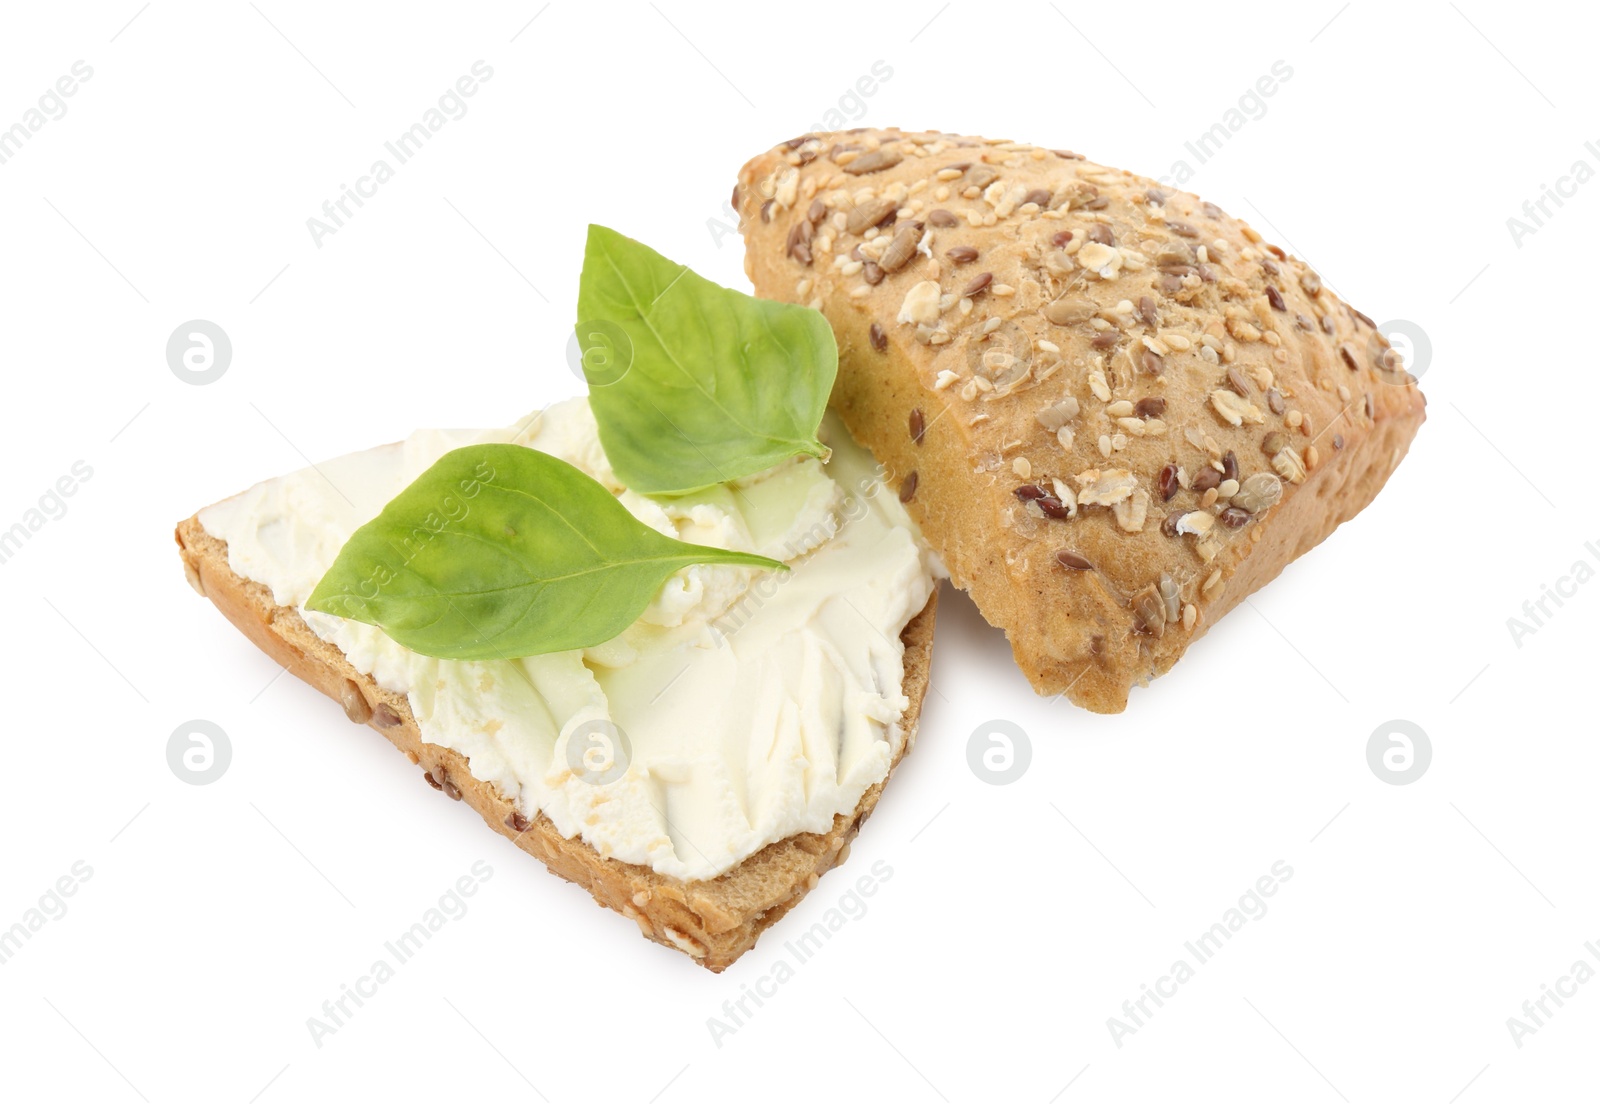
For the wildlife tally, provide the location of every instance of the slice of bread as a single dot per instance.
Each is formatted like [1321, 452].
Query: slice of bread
[1114, 410]
[715, 921]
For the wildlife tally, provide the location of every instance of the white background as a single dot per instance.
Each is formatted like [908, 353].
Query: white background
[1018, 919]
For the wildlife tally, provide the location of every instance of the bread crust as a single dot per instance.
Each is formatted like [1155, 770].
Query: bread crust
[988, 296]
[714, 921]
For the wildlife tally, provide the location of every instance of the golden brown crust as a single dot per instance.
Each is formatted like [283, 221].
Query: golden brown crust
[715, 921]
[1115, 410]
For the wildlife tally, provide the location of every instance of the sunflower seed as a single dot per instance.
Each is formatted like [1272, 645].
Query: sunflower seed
[869, 214]
[1258, 492]
[1149, 612]
[884, 157]
[981, 176]
[1168, 589]
[901, 250]
[1066, 312]
[800, 242]
[1288, 465]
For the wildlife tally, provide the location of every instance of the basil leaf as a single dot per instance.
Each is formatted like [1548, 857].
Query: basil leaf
[500, 551]
[693, 384]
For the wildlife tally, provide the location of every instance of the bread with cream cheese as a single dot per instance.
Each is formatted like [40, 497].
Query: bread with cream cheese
[1114, 410]
[714, 921]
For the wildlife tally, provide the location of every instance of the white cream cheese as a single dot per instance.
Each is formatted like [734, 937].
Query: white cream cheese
[756, 704]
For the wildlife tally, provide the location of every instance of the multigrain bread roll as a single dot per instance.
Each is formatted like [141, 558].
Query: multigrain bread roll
[714, 921]
[1113, 408]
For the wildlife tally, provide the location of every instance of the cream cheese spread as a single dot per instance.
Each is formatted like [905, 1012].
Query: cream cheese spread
[743, 706]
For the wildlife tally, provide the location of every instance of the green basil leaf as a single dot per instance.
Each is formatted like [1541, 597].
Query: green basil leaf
[693, 384]
[500, 551]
